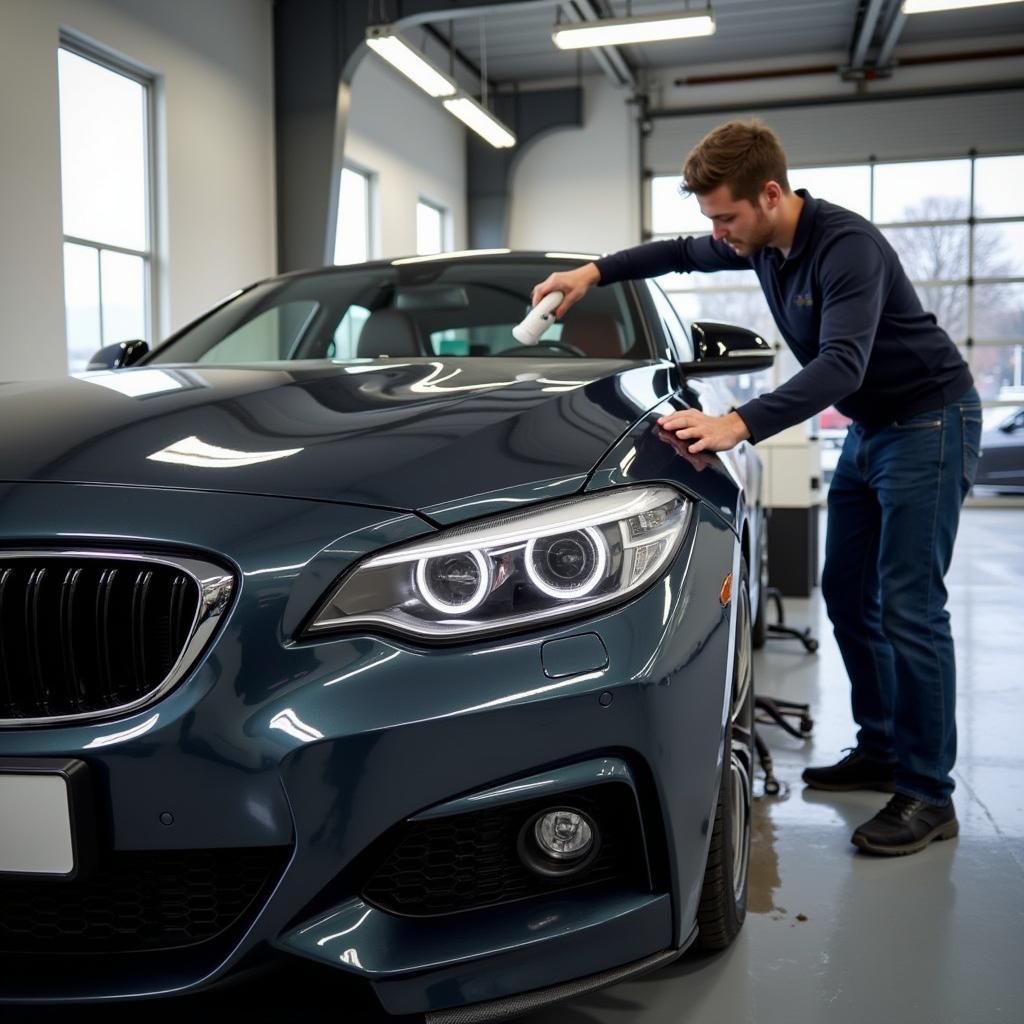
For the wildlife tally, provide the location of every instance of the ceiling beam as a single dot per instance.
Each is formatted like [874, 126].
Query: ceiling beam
[864, 34]
[609, 58]
[892, 34]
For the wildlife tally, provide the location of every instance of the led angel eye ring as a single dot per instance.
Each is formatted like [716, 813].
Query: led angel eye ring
[446, 607]
[582, 589]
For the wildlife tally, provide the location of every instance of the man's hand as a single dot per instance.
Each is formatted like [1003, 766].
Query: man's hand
[700, 461]
[573, 284]
[706, 433]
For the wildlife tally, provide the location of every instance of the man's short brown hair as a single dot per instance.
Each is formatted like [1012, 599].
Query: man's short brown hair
[741, 154]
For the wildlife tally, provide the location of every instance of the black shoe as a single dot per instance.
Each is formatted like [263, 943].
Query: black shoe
[855, 771]
[906, 825]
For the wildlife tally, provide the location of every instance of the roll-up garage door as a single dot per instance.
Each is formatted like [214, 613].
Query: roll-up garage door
[916, 128]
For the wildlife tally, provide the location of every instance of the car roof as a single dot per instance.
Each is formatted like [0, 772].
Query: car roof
[503, 256]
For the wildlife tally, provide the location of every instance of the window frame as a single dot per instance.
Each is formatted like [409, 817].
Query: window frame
[150, 260]
[676, 331]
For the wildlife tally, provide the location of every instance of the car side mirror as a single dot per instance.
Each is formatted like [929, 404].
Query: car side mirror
[726, 348]
[114, 357]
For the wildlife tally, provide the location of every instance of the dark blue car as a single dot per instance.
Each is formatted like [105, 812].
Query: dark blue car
[342, 625]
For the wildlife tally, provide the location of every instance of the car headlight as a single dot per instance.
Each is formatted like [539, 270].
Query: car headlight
[514, 571]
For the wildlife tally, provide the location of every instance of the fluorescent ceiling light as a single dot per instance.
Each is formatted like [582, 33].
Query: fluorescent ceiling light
[401, 56]
[482, 121]
[620, 31]
[931, 6]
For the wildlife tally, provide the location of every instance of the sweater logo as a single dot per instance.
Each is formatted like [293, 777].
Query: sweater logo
[804, 300]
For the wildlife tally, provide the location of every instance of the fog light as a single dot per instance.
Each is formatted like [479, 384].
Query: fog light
[563, 834]
[559, 841]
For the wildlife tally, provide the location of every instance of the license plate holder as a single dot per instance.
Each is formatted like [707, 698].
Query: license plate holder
[47, 819]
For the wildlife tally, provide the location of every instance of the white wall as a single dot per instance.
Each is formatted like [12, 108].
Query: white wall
[578, 189]
[414, 148]
[214, 63]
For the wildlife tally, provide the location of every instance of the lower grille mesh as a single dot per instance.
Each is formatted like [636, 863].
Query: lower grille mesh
[446, 865]
[84, 635]
[136, 901]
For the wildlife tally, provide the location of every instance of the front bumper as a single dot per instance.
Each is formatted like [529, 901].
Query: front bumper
[318, 752]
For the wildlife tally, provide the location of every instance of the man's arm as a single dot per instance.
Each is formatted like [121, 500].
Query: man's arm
[651, 259]
[852, 289]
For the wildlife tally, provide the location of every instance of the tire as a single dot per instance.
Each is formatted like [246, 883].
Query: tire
[760, 627]
[723, 901]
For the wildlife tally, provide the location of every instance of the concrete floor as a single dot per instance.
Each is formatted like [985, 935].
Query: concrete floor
[831, 935]
[834, 936]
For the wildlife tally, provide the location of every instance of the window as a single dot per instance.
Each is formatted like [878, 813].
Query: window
[271, 335]
[106, 200]
[352, 239]
[345, 343]
[673, 212]
[844, 186]
[430, 228]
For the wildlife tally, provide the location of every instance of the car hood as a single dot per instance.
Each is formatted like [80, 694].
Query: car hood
[408, 435]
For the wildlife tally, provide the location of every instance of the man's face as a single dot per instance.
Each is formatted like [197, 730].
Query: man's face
[744, 227]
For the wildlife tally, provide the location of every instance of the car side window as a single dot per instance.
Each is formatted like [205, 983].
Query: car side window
[671, 324]
[345, 342]
[267, 337]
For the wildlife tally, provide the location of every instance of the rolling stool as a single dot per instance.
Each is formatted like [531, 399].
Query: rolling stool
[774, 711]
[781, 630]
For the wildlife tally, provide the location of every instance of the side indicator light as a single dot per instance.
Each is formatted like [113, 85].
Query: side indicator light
[725, 594]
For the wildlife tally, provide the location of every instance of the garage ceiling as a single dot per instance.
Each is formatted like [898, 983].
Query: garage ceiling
[519, 47]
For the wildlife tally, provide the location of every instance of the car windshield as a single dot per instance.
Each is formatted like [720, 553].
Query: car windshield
[407, 309]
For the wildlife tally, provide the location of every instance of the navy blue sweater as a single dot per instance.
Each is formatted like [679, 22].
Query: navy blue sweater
[847, 310]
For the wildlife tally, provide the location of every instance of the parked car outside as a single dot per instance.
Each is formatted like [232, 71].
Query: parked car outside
[1001, 465]
[342, 625]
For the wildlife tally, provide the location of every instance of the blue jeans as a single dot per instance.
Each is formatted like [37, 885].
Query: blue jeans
[893, 509]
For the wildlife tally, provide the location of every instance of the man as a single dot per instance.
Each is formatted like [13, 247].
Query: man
[845, 307]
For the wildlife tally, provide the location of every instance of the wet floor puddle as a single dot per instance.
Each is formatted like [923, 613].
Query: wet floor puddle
[764, 879]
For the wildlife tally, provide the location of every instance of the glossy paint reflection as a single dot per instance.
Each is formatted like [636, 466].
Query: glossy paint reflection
[193, 451]
[409, 435]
